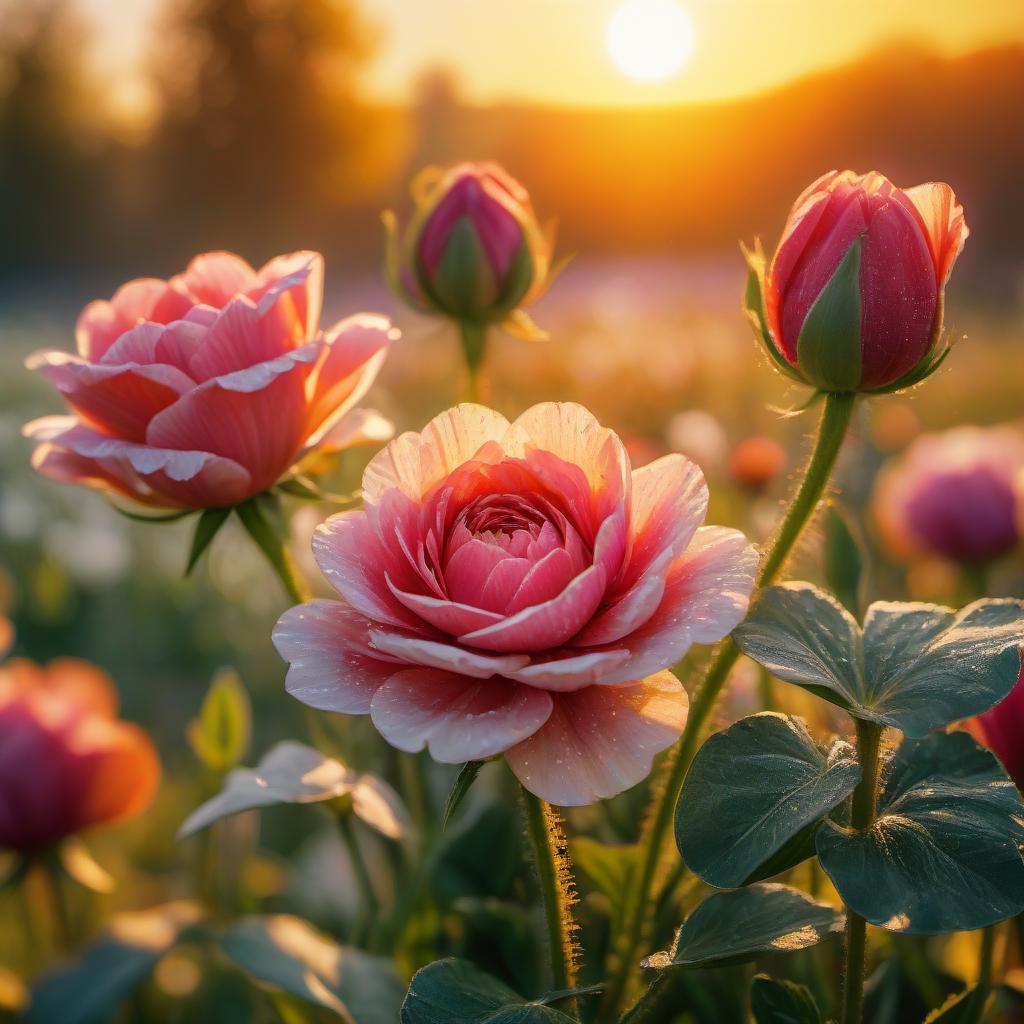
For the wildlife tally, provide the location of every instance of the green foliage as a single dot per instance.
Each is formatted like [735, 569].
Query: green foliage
[734, 927]
[756, 789]
[944, 851]
[967, 1007]
[288, 954]
[90, 988]
[845, 559]
[782, 1002]
[913, 666]
[607, 868]
[220, 735]
[456, 992]
[207, 527]
[828, 351]
[466, 777]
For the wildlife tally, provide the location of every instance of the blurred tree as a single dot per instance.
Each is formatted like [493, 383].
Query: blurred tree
[263, 124]
[45, 169]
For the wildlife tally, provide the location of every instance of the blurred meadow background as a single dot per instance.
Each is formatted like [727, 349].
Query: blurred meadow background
[135, 133]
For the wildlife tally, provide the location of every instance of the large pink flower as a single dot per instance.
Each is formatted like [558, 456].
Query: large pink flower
[203, 390]
[515, 589]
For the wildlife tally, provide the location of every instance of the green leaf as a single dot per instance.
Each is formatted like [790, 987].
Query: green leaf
[466, 777]
[89, 989]
[220, 735]
[967, 1007]
[292, 773]
[845, 557]
[605, 867]
[914, 666]
[944, 853]
[207, 526]
[287, 953]
[479, 858]
[828, 350]
[782, 1002]
[456, 992]
[753, 307]
[752, 789]
[735, 927]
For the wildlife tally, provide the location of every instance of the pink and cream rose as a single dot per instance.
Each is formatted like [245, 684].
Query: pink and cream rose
[515, 589]
[204, 390]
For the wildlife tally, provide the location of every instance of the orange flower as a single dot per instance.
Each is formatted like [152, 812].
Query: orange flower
[66, 761]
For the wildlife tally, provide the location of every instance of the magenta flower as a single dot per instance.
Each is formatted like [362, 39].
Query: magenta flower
[204, 390]
[1001, 730]
[515, 589]
[954, 494]
[878, 258]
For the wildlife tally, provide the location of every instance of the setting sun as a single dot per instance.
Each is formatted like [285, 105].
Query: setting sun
[650, 40]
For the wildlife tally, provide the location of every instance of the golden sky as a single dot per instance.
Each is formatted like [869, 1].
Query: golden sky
[556, 51]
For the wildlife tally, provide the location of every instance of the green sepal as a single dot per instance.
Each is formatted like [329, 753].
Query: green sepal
[463, 285]
[517, 283]
[847, 569]
[160, 517]
[207, 527]
[828, 350]
[393, 264]
[466, 777]
[220, 735]
[520, 325]
[753, 307]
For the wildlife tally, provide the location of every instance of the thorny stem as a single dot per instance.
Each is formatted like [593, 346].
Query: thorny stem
[862, 814]
[832, 428]
[551, 861]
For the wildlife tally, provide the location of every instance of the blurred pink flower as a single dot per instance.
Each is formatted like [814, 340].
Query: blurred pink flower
[203, 390]
[516, 589]
[954, 494]
[1001, 730]
[66, 762]
[756, 461]
[910, 240]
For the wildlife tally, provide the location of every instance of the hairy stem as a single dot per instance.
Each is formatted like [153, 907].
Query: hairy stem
[273, 546]
[554, 874]
[832, 428]
[862, 814]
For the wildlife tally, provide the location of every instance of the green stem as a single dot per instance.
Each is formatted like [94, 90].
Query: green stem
[985, 959]
[832, 428]
[369, 907]
[862, 814]
[270, 543]
[551, 861]
[474, 346]
[652, 1006]
[63, 932]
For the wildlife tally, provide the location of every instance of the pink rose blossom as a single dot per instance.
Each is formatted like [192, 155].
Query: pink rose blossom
[204, 390]
[515, 589]
[954, 494]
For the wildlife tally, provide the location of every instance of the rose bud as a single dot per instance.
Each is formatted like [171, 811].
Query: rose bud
[954, 494]
[756, 462]
[1001, 730]
[205, 390]
[66, 761]
[473, 251]
[517, 590]
[853, 298]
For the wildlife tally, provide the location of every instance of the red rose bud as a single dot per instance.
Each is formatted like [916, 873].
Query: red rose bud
[852, 300]
[66, 761]
[1001, 730]
[473, 251]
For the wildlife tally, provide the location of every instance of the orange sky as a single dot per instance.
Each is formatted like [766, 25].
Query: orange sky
[554, 51]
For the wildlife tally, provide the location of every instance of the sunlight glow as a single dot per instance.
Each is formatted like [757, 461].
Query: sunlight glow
[650, 40]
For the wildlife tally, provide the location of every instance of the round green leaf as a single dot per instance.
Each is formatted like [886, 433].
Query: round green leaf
[751, 790]
[915, 666]
[455, 992]
[289, 954]
[944, 853]
[782, 1002]
[734, 927]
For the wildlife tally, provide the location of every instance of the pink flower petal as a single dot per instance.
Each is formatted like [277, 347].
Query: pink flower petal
[571, 670]
[189, 479]
[434, 654]
[544, 581]
[503, 582]
[215, 278]
[354, 351]
[458, 719]
[172, 344]
[68, 468]
[355, 427]
[544, 626]
[601, 740]
[469, 568]
[229, 416]
[414, 463]
[448, 616]
[118, 400]
[943, 220]
[352, 558]
[299, 278]
[331, 665]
